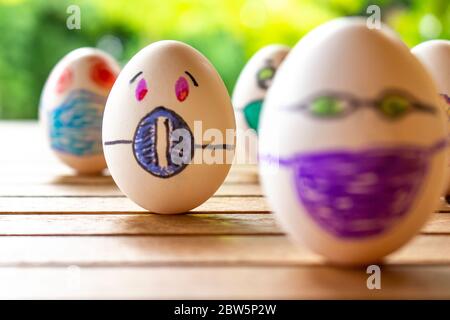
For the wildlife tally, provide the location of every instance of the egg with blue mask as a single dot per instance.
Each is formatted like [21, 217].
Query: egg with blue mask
[435, 56]
[248, 96]
[169, 129]
[352, 143]
[72, 104]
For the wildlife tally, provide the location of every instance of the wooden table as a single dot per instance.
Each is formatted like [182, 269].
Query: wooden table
[68, 236]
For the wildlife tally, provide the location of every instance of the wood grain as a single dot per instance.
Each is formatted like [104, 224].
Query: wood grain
[104, 189]
[137, 224]
[209, 250]
[122, 205]
[152, 224]
[64, 235]
[203, 282]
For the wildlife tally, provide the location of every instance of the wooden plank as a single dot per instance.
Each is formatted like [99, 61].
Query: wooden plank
[444, 206]
[439, 223]
[22, 174]
[313, 282]
[138, 224]
[123, 205]
[152, 224]
[229, 251]
[62, 189]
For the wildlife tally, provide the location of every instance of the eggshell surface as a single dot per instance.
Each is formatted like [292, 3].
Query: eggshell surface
[169, 90]
[72, 104]
[249, 93]
[352, 143]
[435, 55]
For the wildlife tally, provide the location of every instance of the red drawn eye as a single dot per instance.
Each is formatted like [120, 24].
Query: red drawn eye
[64, 81]
[181, 89]
[141, 90]
[102, 75]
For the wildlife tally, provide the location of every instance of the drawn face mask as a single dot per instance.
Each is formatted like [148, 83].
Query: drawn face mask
[252, 110]
[75, 125]
[164, 127]
[359, 193]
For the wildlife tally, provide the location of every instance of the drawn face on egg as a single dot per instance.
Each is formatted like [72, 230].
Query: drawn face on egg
[337, 186]
[163, 143]
[72, 104]
[165, 128]
[357, 138]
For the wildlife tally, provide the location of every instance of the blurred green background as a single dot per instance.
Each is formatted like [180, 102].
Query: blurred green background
[34, 36]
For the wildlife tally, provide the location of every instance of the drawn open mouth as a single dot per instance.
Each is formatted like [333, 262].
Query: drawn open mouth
[76, 125]
[355, 194]
[163, 143]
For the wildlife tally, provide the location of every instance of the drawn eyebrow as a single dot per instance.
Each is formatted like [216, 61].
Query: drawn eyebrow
[192, 78]
[135, 77]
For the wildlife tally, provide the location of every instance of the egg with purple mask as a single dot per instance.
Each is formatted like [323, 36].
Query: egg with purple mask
[435, 55]
[72, 104]
[169, 129]
[352, 143]
[248, 97]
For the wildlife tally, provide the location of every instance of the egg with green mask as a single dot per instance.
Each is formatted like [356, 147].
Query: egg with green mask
[249, 92]
[352, 143]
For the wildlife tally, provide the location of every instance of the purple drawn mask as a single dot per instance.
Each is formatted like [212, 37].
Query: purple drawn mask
[355, 194]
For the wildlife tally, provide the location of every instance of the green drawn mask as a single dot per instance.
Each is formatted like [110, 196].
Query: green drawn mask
[252, 112]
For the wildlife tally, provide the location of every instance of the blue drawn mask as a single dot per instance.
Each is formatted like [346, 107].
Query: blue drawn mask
[76, 125]
[178, 141]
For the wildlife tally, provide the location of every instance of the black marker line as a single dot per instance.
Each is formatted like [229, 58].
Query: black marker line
[135, 77]
[192, 78]
[215, 146]
[111, 143]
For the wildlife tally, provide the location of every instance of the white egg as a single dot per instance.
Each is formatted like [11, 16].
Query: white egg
[169, 128]
[248, 96]
[435, 55]
[72, 104]
[352, 143]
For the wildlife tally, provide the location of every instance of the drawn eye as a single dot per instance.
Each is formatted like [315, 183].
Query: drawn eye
[326, 106]
[141, 90]
[265, 76]
[64, 81]
[181, 89]
[394, 106]
[102, 75]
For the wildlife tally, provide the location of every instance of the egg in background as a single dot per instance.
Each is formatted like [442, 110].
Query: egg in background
[72, 104]
[435, 55]
[165, 89]
[248, 96]
[352, 143]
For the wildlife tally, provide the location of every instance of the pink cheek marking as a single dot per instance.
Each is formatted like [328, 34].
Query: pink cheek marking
[141, 90]
[181, 89]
